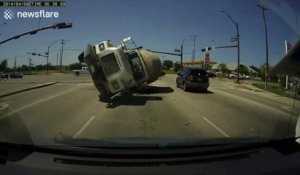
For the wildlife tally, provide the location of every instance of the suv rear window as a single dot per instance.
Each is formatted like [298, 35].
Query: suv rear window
[198, 72]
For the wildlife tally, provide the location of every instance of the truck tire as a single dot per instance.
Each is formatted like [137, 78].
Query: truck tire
[77, 74]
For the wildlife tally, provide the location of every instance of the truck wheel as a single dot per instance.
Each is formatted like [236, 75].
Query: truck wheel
[77, 74]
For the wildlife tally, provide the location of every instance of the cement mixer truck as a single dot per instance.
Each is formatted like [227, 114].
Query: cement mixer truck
[116, 69]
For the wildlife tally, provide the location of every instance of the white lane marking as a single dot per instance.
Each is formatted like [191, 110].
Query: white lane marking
[251, 102]
[37, 102]
[217, 128]
[83, 127]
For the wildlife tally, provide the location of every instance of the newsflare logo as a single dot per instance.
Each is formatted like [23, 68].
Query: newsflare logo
[9, 14]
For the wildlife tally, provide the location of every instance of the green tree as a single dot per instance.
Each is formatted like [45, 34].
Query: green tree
[256, 69]
[75, 66]
[262, 70]
[51, 67]
[39, 67]
[3, 65]
[176, 66]
[223, 68]
[24, 68]
[244, 70]
[168, 64]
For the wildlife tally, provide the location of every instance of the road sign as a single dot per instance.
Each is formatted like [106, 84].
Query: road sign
[207, 57]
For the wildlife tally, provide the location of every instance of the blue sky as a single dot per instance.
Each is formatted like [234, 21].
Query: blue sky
[158, 25]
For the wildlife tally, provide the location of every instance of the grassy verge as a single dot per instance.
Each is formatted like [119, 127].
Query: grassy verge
[276, 89]
[169, 72]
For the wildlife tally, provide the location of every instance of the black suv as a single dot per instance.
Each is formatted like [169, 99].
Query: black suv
[192, 78]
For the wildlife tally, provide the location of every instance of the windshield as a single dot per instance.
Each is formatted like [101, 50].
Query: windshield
[110, 64]
[136, 66]
[48, 98]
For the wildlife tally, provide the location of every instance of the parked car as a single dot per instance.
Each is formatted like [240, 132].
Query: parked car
[16, 75]
[244, 76]
[219, 73]
[211, 75]
[232, 75]
[193, 78]
[3, 75]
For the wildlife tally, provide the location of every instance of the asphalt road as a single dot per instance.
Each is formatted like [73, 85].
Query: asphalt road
[71, 109]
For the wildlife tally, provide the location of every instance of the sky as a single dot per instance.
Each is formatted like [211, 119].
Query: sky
[159, 25]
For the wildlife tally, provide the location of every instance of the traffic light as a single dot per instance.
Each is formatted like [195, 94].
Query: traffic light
[206, 49]
[63, 25]
[33, 32]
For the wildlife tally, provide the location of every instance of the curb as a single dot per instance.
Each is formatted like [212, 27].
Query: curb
[28, 89]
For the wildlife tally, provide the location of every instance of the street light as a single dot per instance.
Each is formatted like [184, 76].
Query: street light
[238, 42]
[266, 41]
[48, 53]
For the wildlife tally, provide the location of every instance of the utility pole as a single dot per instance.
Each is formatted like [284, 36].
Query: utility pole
[236, 38]
[266, 42]
[194, 50]
[57, 60]
[62, 53]
[48, 54]
[29, 66]
[15, 63]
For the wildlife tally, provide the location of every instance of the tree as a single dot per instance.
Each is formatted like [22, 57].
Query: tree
[223, 67]
[176, 66]
[75, 66]
[256, 69]
[51, 67]
[244, 69]
[168, 64]
[39, 67]
[3, 65]
[262, 70]
[24, 68]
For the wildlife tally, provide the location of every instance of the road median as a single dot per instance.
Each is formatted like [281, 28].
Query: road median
[27, 89]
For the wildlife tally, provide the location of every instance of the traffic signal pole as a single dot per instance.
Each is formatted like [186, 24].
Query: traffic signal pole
[62, 25]
[266, 42]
